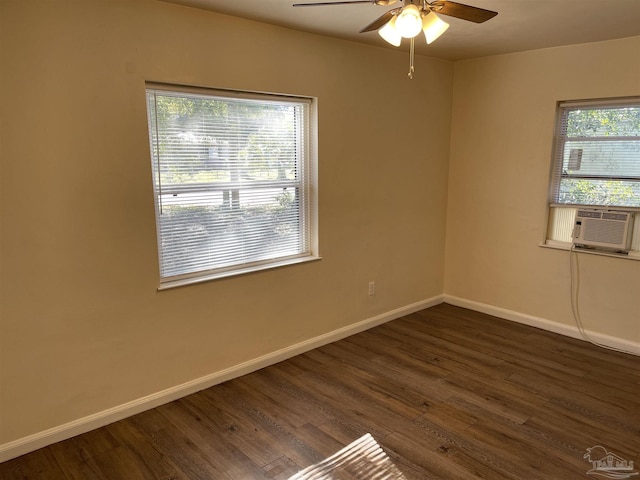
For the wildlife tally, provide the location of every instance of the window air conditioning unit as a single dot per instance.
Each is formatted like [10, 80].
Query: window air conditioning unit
[603, 229]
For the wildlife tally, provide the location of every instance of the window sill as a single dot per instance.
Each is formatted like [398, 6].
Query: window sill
[632, 255]
[182, 282]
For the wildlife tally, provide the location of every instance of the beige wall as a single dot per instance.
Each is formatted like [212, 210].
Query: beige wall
[83, 327]
[502, 128]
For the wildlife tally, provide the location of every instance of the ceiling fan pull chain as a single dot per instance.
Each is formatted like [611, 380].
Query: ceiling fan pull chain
[411, 69]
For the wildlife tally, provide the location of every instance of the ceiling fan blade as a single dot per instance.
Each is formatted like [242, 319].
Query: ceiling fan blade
[380, 21]
[322, 4]
[465, 12]
[346, 2]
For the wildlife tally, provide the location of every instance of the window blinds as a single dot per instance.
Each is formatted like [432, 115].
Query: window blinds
[230, 176]
[597, 159]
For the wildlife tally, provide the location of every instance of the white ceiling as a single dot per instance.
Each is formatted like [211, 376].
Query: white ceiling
[520, 25]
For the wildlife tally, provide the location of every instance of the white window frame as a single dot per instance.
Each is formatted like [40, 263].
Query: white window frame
[198, 266]
[561, 218]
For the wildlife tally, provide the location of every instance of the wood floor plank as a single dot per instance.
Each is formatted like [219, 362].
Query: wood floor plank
[589, 400]
[446, 392]
[76, 455]
[256, 432]
[233, 427]
[39, 465]
[416, 460]
[493, 436]
[178, 448]
[444, 454]
[211, 441]
[281, 469]
[121, 462]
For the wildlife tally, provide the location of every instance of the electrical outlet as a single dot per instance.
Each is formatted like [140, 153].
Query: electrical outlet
[372, 288]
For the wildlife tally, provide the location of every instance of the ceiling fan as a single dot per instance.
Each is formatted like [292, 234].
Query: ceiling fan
[414, 17]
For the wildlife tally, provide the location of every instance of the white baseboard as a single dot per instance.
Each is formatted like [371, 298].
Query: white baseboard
[544, 324]
[82, 425]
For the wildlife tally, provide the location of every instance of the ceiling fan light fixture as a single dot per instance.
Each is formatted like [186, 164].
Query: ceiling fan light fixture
[390, 34]
[409, 22]
[433, 26]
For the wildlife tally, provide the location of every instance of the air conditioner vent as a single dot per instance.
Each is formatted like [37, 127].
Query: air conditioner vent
[615, 216]
[589, 214]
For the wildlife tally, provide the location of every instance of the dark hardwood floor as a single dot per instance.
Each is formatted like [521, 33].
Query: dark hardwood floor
[448, 393]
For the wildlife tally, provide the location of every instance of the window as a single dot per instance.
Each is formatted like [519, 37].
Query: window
[596, 162]
[233, 182]
[597, 158]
